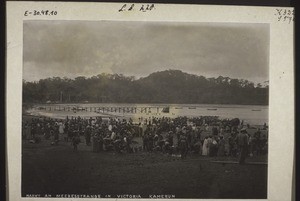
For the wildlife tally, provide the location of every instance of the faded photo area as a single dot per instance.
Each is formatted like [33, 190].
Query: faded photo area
[119, 109]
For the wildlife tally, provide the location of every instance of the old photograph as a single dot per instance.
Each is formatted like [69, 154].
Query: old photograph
[145, 109]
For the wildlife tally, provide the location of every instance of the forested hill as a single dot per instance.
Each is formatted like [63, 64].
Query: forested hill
[170, 86]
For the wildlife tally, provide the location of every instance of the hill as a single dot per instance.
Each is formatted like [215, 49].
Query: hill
[170, 86]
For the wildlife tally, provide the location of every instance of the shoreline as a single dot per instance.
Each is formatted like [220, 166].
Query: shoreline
[135, 118]
[252, 115]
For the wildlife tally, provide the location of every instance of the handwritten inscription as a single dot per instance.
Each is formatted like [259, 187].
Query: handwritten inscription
[40, 13]
[285, 15]
[133, 7]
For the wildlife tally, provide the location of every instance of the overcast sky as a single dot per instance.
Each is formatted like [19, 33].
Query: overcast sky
[82, 48]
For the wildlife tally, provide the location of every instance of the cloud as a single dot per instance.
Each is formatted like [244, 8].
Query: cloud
[73, 48]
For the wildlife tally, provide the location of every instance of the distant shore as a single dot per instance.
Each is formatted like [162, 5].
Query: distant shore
[136, 103]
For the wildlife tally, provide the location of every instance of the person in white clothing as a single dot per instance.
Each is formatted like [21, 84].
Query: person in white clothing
[205, 147]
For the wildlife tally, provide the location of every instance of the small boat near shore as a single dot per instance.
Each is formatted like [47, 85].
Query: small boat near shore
[212, 109]
[192, 108]
[254, 110]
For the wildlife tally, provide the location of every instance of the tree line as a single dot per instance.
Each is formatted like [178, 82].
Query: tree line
[170, 86]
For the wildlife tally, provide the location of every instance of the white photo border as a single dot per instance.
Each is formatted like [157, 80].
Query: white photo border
[281, 74]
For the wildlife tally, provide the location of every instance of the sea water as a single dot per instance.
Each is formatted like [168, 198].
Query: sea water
[252, 114]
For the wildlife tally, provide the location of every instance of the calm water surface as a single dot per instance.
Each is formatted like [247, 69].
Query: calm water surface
[252, 114]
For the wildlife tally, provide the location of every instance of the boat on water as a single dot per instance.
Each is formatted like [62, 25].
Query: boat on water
[178, 108]
[192, 108]
[256, 110]
[212, 109]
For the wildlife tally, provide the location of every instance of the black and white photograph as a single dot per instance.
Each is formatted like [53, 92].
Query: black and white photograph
[145, 109]
[121, 101]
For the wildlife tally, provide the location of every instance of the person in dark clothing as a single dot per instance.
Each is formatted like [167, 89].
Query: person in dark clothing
[145, 142]
[232, 145]
[214, 147]
[183, 146]
[215, 131]
[170, 138]
[95, 144]
[118, 145]
[242, 142]
[221, 146]
[75, 141]
[257, 142]
[56, 136]
[150, 143]
[88, 135]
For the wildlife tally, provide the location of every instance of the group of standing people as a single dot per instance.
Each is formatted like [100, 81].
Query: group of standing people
[204, 135]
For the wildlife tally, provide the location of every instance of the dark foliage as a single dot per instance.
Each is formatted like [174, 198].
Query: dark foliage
[170, 86]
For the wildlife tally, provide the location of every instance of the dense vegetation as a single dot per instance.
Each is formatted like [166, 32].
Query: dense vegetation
[170, 86]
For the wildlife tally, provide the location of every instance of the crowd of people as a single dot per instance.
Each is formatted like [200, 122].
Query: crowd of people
[204, 135]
